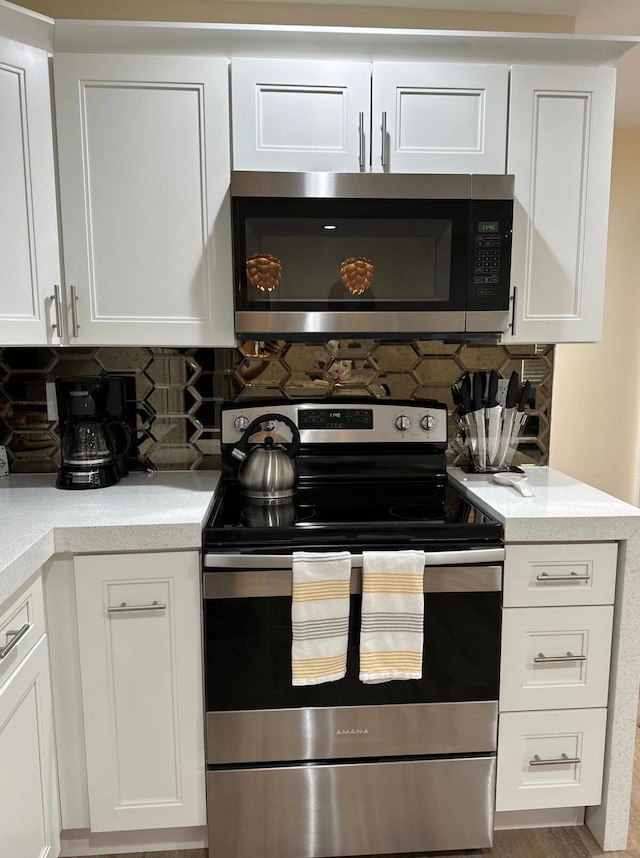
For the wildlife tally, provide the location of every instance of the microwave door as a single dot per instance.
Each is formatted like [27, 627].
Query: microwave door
[363, 266]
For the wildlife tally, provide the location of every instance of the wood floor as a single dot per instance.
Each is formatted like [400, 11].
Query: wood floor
[532, 843]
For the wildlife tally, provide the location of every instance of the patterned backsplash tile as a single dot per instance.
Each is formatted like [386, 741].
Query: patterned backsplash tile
[178, 392]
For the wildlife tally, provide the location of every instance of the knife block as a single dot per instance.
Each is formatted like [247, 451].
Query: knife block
[492, 447]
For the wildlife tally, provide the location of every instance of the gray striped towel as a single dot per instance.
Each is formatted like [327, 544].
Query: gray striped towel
[392, 633]
[320, 616]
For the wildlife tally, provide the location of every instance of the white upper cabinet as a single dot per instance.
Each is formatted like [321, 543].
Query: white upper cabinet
[439, 118]
[29, 260]
[144, 178]
[560, 140]
[297, 115]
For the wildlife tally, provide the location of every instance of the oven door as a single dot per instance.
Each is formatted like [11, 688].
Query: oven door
[254, 714]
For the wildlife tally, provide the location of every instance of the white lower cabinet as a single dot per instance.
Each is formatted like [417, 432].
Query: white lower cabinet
[554, 658]
[22, 625]
[557, 626]
[560, 574]
[550, 759]
[29, 819]
[140, 660]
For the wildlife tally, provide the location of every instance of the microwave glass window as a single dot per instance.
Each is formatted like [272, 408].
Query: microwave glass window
[342, 260]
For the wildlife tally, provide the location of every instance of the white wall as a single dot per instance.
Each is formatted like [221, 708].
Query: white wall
[595, 424]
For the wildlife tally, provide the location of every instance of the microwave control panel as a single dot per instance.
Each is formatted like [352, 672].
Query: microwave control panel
[490, 255]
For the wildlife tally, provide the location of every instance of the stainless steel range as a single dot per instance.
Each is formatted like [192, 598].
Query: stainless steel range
[344, 768]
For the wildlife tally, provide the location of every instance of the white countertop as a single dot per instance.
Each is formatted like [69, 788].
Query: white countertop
[563, 509]
[160, 511]
[166, 510]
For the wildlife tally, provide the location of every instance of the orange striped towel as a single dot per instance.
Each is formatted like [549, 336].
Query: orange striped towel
[392, 632]
[320, 616]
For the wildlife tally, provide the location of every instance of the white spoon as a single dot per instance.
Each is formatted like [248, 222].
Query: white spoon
[518, 481]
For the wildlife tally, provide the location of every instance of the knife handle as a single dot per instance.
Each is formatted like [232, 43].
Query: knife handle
[478, 390]
[492, 394]
[466, 398]
[524, 396]
[512, 389]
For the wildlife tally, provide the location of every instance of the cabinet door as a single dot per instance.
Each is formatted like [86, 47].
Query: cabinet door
[550, 759]
[560, 140]
[29, 263]
[297, 115]
[22, 625]
[439, 118]
[140, 661]
[28, 786]
[555, 658]
[144, 178]
[560, 574]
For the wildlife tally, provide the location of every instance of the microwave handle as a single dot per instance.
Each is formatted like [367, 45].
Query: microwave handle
[361, 140]
[513, 311]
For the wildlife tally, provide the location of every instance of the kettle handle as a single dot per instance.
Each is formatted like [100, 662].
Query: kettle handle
[240, 449]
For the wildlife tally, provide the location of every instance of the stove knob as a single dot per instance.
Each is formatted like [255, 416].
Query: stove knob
[403, 423]
[428, 422]
[240, 423]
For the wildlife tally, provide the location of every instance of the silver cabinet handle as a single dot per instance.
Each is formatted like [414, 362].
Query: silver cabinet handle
[123, 608]
[57, 306]
[15, 637]
[361, 140]
[383, 157]
[546, 578]
[541, 657]
[74, 313]
[557, 761]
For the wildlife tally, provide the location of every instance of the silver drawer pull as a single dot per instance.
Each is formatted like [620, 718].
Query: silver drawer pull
[541, 657]
[558, 761]
[15, 637]
[123, 608]
[546, 578]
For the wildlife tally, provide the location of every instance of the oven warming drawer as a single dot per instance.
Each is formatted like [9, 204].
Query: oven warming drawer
[340, 733]
[314, 811]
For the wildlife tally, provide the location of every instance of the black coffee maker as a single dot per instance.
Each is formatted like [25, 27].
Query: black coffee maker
[95, 438]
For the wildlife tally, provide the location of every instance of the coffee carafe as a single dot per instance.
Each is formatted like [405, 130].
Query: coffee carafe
[94, 443]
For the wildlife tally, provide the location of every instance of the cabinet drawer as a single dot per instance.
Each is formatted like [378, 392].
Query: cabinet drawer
[21, 627]
[568, 574]
[554, 658]
[532, 771]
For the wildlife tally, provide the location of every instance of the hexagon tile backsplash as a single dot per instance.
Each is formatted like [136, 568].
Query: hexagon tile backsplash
[177, 392]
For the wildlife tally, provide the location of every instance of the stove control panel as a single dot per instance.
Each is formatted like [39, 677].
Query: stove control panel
[329, 422]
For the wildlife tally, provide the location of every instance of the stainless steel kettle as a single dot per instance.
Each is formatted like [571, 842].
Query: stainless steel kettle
[267, 471]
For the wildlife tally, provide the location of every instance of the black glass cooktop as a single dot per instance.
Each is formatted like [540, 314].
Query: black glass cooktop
[344, 514]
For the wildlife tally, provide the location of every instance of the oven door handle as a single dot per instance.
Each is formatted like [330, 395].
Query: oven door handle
[261, 583]
[285, 561]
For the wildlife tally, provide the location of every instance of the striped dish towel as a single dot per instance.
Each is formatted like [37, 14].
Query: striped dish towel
[392, 633]
[320, 616]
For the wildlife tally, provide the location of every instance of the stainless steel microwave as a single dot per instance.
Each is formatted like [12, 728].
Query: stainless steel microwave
[327, 254]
